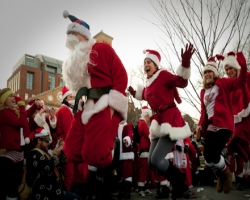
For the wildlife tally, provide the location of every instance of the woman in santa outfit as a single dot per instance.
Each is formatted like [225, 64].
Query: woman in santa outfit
[167, 124]
[216, 121]
[13, 128]
[241, 109]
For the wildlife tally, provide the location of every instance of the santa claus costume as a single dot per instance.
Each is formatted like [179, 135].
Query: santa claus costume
[95, 71]
[125, 135]
[13, 128]
[241, 109]
[216, 119]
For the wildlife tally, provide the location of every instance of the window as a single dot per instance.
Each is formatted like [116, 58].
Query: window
[29, 61]
[52, 81]
[61, 82]
[30, 81]
[26, 96]
[33, 95]
[51, 69]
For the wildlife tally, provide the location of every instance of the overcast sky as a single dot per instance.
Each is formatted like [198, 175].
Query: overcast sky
[38, 27]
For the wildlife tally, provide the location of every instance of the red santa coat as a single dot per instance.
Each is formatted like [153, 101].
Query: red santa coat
[99, 129]
[125, 131]
[223, 109]
[64, 118]
[159, 93]
[144, 144]
[10, 125]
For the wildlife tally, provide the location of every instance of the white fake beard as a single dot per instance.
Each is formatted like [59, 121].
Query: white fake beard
[75, 67]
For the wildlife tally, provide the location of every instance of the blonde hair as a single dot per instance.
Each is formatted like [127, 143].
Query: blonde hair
[3, 91]
[208, 85]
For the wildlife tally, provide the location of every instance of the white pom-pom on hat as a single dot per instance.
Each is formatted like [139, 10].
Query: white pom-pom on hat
[65, 13]
[27, 140]
[144, 51]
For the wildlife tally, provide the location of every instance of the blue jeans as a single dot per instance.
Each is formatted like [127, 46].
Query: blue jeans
[70, 196]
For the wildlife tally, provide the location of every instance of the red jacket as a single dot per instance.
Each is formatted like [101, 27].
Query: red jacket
[10, 125]
[144, 138]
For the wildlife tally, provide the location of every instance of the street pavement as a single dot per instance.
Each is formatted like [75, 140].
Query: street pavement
[206, 193]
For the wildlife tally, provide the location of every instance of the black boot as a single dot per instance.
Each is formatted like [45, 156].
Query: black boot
[158, 190]
[164, 192]
[127, 189]
[239, 182]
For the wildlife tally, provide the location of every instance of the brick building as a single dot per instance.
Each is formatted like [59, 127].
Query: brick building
[40, 76]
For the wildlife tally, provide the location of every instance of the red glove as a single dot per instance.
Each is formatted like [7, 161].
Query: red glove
[186, 56]
[131, 91]
[241, 59]
[18, 99]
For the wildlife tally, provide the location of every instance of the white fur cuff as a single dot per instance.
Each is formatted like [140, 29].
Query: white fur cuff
[184, 72]
[139, 91]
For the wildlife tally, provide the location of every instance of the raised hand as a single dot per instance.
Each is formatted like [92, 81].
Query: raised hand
[18, 99]
[241, 59]
[186, 55]
[131, 91]
[179, 148]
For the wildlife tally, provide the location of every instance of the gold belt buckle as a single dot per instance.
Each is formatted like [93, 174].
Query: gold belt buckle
[3, 150]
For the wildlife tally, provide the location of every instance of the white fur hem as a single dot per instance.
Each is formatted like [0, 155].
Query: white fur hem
[128, 139]
[141, 184]
[169, 156]
[119, 102]
[164, 129]
[242, 114]
[183, 72]
[127, 156]
[92, 168]
[144, 155]
[165, 182]
[139, 91]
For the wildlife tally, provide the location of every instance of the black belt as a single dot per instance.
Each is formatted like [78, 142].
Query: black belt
[92, 93]
[160, 110]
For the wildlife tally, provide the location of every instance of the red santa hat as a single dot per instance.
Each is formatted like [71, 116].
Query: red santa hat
[230, 60]
[77, 25]
[153, 55]
[65, 92]
[38, 133]
[146, 111]
[211, 66]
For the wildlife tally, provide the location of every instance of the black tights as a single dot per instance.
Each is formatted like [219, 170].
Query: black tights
[214, 144]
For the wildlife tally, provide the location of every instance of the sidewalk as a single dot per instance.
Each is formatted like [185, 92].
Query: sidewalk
[208, 193]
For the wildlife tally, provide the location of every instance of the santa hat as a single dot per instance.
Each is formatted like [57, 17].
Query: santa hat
[77, 25]
[38, 133]
[211, 66]
[146, 111]
[31, 101]
[153, 55]
[229, 59]
[65, 92]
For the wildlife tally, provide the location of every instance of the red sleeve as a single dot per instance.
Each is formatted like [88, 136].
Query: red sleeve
[31, 110]
[66, 118]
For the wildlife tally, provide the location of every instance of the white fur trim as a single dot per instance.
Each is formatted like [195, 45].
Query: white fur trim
[27, 140]
[231, 61]
[127, 156]
[40, 121]
[92, 168]
[66, 94]
[139, 91]
[65, 13]
[53, 122]
[154, 58]
[184, 72]
[128, 179]
[141, 184]
[152, 79]
[210, 68]
[91, 108]
[164, 129]
[242, 114]
[169, 156]
[128, 139]
[165, 182]
[144, 155]
[42, 133]
[78, 28]
[145, 112]
[119, 102]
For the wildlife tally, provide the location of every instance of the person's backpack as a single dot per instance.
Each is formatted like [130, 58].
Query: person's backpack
[136, 136]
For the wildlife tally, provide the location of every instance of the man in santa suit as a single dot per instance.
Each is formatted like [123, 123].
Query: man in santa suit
[125, 135]
[167, 124]
[95, 71]
[241, 109]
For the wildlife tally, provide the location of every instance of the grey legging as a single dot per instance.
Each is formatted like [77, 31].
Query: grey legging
[159, 148]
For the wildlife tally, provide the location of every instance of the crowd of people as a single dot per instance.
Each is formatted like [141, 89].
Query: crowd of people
[87, 150]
